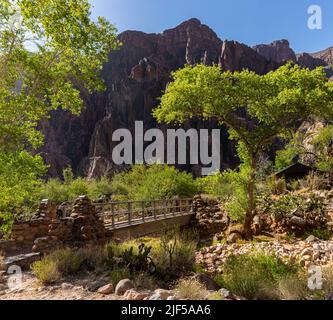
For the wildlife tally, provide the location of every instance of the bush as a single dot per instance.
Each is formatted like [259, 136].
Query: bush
[327, 273]
[254, 276]
[231, 187]
[145, 281]
[174, 255]
[69, 189]
[67, 261]
[191, 289]
[293, 287]
[60, 263]
[153, 182]
[46, 271]
[118, 274]
[55, 191]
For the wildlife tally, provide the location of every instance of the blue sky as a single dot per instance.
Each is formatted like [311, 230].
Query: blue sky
[248, 21]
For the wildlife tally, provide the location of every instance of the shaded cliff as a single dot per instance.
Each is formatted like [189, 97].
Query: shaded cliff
[135, 77]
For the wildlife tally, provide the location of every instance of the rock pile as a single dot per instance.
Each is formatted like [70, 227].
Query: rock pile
[46, 210]
[306, 253]
[87, 226]
[210, 219]
[312, 212]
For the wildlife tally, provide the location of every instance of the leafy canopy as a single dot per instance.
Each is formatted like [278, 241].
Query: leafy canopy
[255, 108]
[154, 182]
[49, 49]
[51, 52]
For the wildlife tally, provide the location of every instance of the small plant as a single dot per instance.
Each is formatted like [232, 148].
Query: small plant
[215, 296]
[254, 276]
[140, 261]
[67, 260]
[191, 289]
[169, 243]
[46, 271]
[118, 274]
[145, 281]
[293, 287]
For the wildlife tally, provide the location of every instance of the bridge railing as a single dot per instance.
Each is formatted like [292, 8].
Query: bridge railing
[118, 213]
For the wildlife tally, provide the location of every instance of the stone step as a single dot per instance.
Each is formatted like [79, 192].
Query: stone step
[22, 260]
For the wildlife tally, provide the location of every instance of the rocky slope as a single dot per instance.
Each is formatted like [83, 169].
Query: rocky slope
[136, 76]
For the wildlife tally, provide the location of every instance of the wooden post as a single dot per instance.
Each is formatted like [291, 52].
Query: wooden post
[165, 208]
[112, 213]
[129, 212]
[154, 209]
[143, 211]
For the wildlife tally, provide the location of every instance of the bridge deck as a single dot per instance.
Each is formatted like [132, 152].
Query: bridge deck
[127, 214]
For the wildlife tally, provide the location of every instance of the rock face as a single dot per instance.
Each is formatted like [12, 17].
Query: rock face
[278, 51]
[135, 77]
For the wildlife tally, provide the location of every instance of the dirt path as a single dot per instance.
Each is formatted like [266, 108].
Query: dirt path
[31, 289]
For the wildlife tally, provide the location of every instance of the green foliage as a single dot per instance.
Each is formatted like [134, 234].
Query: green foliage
[67, 260]
[255, 108]
[46, 271]
[191, 289]
[174, 255]
[71, 188]
[48, 50]
[319, 149]
[19, 182]
[117, 274]
[231, 187]
[254, 276]
[322, 144]
[140, 261]
[153, 182]
[322, 234]
[279, 207]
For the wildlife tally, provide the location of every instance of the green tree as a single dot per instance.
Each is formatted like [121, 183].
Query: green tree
[255, 108]
[319, 149]
[50, 51]
[154, 182]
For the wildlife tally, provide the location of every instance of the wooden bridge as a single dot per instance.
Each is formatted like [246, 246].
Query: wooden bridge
[128, 219]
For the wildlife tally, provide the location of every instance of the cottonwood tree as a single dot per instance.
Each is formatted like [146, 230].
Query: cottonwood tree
[50, 50]
[255, 108]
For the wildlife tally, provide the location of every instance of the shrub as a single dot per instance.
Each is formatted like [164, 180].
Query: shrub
[46, 271]
[254, 276]
[68, 261]
[60, 263]
[77, 188]
[54, 190]
[99, 187]
[69, 189]
[293, 287]
[231, 187]
[153, 182]
[145, 281]
[327, 273]
[191, 289]
[174, 255]
[118, 274]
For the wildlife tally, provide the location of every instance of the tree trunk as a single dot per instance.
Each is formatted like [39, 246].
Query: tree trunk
[250, 213]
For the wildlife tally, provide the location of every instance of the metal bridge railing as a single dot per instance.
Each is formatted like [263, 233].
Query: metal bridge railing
[119, 213]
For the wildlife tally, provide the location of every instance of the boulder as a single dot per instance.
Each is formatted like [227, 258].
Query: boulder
[297, 221]
[123, 286]
[107, 289]
[136, 296]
